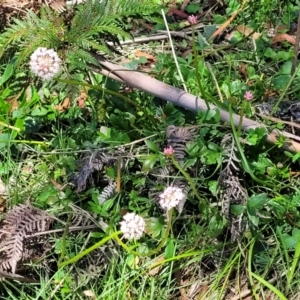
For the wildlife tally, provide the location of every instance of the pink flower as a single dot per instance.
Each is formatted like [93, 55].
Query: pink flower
[169, 151]
[192, 20]
[248, 96]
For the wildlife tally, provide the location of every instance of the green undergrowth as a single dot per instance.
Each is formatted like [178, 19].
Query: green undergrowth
[87, 150]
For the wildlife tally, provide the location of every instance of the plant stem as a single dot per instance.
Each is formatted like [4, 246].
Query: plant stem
[239, 129]
[189, 179]
[87, 251]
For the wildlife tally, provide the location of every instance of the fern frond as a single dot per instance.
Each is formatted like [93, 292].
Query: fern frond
[80, 57]
[28, 34]
[107, 192]
[21, 221]
[177, 137]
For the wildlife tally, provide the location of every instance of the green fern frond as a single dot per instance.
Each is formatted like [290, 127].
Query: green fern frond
[79, 59]
[92, 25]
[101, 47]
[28, 34]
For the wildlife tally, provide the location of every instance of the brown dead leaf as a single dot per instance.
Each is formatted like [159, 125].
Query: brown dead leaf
[245, 30]
[280, 37]
[177, 12]
[156, 269]
[243, 70]
[65, 105]
[81, 99]
[13, 101]
[139, 53]
[89, 293]
[226, 24]
[282, 28]
[180, 282]
[270, 93]
[57, 185]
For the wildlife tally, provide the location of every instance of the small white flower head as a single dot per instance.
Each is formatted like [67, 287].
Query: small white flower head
[44, 63]
[132, 226]
[171, 197]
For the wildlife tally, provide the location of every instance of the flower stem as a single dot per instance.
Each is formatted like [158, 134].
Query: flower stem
[239, 129]
[189, 179]
[87, 251]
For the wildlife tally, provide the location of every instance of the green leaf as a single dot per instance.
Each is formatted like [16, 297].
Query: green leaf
[110, 172]
[169, 252]
[256, 202]
[39, 111]
[237, 209]
[8, 72]
[281, 81]
[193, 8]
[4, 139]
[253, 217]
[149, 162]
[105, 132]
[290, 241]
[47, 192]
[152, 146]
[155, 226]
[107, 205]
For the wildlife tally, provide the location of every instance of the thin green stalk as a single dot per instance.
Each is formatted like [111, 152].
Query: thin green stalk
[275, 107]
[9, 126]
[87, 251]
[64, 239]
[189, 179]
[114, 235]
[229, 264]
[239, 129]
[269, 286]
[25, 142]
[295, 263]
[241, 152]
[250, 259]
[203, 94]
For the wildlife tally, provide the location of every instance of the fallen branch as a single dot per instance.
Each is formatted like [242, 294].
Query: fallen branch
[191, 102]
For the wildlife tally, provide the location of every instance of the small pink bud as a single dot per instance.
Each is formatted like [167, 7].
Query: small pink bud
[169, 151]
[192, 20]
[248, 96]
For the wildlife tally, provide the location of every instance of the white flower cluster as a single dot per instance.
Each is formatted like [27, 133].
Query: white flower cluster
[44, 63]
[132, 226]
[171, 197]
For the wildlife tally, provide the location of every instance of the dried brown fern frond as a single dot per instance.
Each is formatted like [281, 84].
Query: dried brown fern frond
[229, 185]
[177, 137]
[58, 5]
[19, 222]
[87, 166]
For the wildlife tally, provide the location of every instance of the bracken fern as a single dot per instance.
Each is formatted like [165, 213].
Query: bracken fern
[76, 33]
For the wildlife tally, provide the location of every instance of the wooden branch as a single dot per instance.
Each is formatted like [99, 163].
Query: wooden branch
[191, 102]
